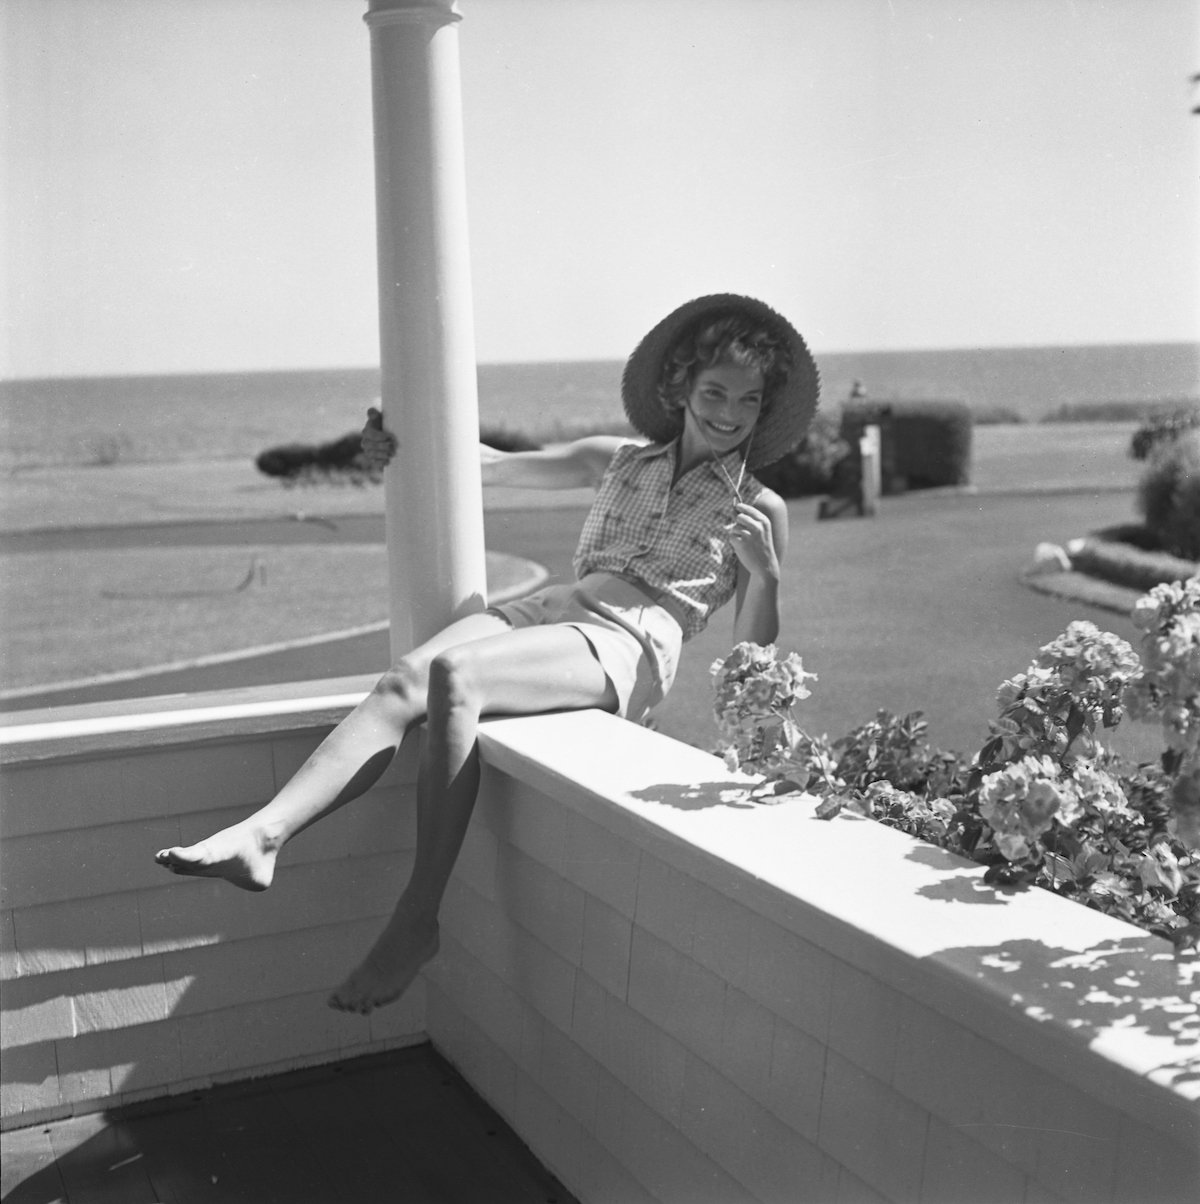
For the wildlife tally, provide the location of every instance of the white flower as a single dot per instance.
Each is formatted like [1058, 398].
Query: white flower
[1098, 789]
[1020, 802]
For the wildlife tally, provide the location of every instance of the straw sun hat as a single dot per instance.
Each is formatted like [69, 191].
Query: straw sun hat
[789, 410]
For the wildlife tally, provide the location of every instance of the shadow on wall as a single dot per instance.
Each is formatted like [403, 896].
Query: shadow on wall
[228, 979]
[1130, 986]
[123, 981]
[700, 796]
[1118, 991]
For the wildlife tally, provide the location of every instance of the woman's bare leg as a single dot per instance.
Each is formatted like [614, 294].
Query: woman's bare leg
[348, 762]
[522, 672]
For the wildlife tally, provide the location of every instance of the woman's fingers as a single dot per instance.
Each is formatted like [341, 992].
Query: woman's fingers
[378, 444]
[750, 538]
[748, 521]
[752, 514]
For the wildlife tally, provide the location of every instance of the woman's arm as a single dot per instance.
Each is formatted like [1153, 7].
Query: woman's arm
[760, 538]
[571, 466]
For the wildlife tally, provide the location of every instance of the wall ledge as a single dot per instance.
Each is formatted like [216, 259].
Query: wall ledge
[1104, 1004]
[174, 719]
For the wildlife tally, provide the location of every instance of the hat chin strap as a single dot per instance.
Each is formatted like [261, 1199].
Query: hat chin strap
[736, 486]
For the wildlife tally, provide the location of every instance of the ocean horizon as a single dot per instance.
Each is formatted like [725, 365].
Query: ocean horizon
[108, 419]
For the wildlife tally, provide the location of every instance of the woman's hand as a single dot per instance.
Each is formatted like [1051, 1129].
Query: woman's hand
[759, 535]
[378, 445]
[752, 538]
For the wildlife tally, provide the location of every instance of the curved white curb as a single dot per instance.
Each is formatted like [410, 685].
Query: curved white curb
[533, 579]
[198, 662]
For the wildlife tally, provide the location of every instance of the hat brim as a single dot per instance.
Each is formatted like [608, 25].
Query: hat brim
[790, 409]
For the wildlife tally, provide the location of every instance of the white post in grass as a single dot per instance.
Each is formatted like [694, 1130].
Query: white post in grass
[434, 506]
[870, 448]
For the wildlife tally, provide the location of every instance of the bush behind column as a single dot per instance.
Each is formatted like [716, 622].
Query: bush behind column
[809, 468]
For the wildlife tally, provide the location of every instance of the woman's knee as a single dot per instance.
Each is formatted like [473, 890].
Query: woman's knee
[453, 681]
[404, 683]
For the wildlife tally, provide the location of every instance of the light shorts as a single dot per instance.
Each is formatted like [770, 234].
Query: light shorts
[636, 639]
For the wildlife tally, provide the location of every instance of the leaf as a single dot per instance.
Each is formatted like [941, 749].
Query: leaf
[1108, 883]
[1005, 874]
[1186, 940]
[1155, 873]
[776, 787]
[1068, 842]
[1060, 868]
[1089, 862]
[860, 804]
[829, 807]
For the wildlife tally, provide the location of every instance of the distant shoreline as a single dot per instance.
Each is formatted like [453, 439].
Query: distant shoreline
[292, 375]
[164, 418]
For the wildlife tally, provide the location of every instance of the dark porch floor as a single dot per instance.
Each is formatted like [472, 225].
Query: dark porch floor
[397, 1127]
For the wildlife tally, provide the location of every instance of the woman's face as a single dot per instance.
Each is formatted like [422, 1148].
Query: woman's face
[722, 407]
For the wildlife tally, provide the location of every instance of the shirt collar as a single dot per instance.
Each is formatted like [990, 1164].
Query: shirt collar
[650, 450]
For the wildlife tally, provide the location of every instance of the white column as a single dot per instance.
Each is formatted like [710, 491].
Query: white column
[434, 506]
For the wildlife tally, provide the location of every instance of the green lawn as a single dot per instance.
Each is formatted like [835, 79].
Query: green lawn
[77, 614]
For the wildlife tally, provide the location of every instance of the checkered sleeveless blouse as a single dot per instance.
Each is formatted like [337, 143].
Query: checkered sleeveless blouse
[670, 539]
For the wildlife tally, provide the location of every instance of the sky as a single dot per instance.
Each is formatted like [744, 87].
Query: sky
[188, 187]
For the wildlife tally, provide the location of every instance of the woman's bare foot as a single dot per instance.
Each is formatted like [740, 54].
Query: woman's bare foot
[241, 854]
[405, 945]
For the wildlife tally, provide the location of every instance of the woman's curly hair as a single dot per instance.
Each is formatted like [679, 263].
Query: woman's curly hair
[732, 338]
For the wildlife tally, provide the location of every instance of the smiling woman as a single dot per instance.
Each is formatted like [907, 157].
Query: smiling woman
[670, 539]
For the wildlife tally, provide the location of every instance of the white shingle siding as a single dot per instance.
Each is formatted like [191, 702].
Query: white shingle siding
[668, 1002]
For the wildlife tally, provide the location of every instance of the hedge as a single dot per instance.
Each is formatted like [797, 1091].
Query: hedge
[1163, 428]
[1169, 495]
[924, 444]
[1129, 555]
[1114, 411]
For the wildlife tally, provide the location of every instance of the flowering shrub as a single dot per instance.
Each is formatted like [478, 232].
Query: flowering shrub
[1076, 682]
[1043, 801]
[1169, 688]
[1169, 617]
[756, 693]
[1020, 803]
